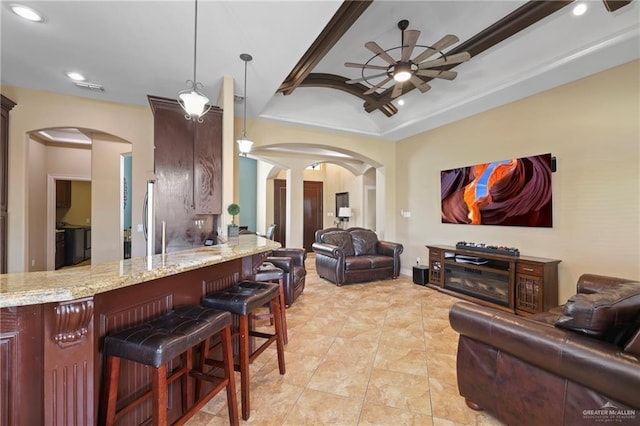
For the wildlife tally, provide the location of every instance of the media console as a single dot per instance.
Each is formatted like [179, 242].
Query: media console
[521, 284]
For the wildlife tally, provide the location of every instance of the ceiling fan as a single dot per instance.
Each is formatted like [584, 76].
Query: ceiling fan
[407, 69]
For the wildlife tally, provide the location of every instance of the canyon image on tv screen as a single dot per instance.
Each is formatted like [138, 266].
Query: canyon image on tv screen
[515, 192]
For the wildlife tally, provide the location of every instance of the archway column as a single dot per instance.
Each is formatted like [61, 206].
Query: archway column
[295, 207]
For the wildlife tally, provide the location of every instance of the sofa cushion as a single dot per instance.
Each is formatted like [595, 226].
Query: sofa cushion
[341, 239]
[610, 315]
[364, 242]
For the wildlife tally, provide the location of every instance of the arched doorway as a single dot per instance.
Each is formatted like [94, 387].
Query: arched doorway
[81, 157]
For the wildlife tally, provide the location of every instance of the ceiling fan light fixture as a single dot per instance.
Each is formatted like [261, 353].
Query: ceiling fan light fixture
[402, 72]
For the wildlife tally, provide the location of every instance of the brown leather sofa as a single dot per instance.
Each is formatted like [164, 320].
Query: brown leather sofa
[291, 261]
[355, 255]
[577, 364]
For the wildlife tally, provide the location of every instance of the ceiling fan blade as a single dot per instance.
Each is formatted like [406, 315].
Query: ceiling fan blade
[358, 80]
[366, 66]
[410, 38]
[446, 60]
[439, 45]
[375, 48]
[447, 75]
[397, 90]
[377, 86]
[420, 85]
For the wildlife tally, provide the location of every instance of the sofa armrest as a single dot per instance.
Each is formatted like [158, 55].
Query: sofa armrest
[284, 263]
[328, 250]
[592, 283]
[593, 363]
[297, 254]
[388, 248]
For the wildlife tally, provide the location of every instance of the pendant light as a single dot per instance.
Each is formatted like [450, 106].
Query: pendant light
[244, 144]
[192, 101]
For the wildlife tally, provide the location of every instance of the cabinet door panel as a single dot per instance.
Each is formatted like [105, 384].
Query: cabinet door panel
[188, 169]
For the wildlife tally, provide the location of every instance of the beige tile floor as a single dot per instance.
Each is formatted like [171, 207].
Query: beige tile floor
[379, 353]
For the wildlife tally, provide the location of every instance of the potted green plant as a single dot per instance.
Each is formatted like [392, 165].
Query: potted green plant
[233, 230]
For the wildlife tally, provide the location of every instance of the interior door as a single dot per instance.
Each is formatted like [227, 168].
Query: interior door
[312, 210]
[280, 210]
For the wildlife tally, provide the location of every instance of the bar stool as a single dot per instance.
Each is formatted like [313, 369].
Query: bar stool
[241, 300]
[268, 272]
[155, 343]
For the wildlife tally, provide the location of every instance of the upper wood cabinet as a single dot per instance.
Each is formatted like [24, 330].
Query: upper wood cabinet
[188, 169]
[63, 194]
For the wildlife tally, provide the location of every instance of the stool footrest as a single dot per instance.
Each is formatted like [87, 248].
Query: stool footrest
[172, 377]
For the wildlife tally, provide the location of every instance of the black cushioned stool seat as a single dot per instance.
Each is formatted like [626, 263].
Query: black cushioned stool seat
[242, 299]
[268, 272]
[158, 341]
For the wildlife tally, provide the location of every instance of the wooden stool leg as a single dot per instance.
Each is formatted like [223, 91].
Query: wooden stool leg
[110, 395]
[187, 382]
[204, 354]
[277, 309]
[227, 358]
[244, 365]
[285, 333]
[159, 395]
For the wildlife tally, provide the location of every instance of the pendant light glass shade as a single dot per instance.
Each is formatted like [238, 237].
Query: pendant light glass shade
[244, 144]
[192, 101]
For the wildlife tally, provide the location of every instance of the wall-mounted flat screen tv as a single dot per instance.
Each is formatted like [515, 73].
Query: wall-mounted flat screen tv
[514, 192]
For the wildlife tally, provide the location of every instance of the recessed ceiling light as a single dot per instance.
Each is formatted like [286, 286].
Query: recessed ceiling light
[75, 76]
[579, 9]
[26, 13]
[400, 102]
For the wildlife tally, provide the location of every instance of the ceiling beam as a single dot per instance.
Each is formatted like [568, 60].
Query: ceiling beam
[521, 18]
[338, 82]
[342, 20]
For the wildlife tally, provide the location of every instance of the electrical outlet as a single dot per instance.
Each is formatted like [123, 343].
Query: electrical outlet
[33, 262]
[140, 228]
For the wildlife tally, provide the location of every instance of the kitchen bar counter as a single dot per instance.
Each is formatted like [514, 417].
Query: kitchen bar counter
[52, 325]
[32, 288]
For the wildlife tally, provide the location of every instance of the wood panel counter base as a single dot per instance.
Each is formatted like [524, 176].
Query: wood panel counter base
[51, 352]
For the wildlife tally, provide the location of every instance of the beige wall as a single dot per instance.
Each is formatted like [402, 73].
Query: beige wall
[39, 110]
[47, 163]
[80, 211]
[591, 126]
[106, 205]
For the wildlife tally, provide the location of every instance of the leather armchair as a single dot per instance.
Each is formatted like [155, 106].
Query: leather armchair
[291, 261]
[557, 367]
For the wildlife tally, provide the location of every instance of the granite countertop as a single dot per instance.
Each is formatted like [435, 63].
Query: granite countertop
[32, 288]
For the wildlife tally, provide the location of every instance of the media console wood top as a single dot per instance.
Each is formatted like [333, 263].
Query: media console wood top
[29, 288]
[490, 255]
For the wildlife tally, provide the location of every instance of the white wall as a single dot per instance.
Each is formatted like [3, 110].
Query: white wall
[592, 127]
